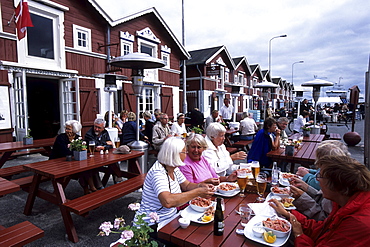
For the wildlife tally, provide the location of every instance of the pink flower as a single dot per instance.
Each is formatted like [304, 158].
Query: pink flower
[118, 222]
[105, 227]
[134, 206]
[127, 234]
[153, 217]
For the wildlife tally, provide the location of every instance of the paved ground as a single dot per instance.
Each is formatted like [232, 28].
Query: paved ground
[47, 216]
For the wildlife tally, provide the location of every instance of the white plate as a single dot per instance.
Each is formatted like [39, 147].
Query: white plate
[248, 233]
[193, 215]
[270, 195]
[283, 181]
[227, 195]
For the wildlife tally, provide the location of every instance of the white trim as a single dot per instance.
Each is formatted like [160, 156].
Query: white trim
[85, 53]
[126, 39]
[147, 33]
[1, 25]
[170, 70]
[79, 29]
[8, 36]
[54, 5]
[167, 61]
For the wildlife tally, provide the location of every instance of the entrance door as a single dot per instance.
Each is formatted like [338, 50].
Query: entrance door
[43, 107]
[70, 100]
[21, 111]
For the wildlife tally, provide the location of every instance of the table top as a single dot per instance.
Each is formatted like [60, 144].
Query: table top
[7, 187]
[14, 146]
[57, 168]
[311, 138]
[202, 234]
[305, 154]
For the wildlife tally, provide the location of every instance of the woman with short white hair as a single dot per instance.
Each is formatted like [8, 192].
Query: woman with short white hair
[216, 153]
[178, 128]
[165, 187]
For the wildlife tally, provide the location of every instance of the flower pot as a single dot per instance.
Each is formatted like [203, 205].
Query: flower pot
[289, 150]
[306, 133]
[80, 155]
[27, 140]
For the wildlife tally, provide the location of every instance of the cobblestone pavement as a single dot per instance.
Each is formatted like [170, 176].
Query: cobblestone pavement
[47, 216]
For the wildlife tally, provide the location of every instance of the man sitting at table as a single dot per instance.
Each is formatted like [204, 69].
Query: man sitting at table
[213, 118]
[100, 135]
[161, 131]
[301, 122]
[267, 139]
[248, 127]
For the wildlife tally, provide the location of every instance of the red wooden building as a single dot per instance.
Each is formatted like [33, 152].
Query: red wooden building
[55, 73]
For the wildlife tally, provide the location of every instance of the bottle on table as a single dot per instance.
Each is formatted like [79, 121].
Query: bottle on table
[219, 219]
[275, 174]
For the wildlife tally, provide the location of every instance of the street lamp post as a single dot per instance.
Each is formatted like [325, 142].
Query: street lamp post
[293, 68]
[280, 36]
[138, 62]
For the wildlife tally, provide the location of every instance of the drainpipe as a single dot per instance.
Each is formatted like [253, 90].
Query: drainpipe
[200, 90]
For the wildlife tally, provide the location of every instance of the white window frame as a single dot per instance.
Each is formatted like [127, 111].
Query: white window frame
[78, 29]
[1, 24]
[57, 16]
[127, 39]
[165, 55]
[143, 99]
[154, 46]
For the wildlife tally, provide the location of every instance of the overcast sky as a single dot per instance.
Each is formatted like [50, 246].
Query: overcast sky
[332, 37]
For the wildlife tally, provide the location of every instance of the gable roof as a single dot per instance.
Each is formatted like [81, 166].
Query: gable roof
[239, 61]
[255, 68]
[205, 56]
[266, 75]
[153, 10]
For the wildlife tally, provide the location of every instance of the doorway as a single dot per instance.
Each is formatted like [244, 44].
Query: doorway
[43, 107]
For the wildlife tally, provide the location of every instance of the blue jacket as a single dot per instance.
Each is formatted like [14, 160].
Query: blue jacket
[262, 144]
[129, 132]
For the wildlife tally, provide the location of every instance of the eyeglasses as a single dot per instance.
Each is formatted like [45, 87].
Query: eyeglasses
[318, 176]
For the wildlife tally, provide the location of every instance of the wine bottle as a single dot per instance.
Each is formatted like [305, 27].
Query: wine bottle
[219, 219]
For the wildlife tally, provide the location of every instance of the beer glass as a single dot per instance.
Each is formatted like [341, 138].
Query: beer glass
[255, 168]
[117, 142]
[261, 181]
[242, 181]
[91, 148]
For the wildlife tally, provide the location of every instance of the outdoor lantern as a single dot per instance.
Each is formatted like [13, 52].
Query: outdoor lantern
[138, 62]
[265, 88]
[316, 86]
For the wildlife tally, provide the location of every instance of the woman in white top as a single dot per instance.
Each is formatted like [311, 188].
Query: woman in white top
[164, 184]
[216, 154]
[178, 128]
[300, 122]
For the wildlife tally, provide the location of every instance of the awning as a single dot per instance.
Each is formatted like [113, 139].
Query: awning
[331, 100]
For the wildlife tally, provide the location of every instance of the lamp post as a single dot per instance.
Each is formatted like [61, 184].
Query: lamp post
[316, 87]
[138, 62]
[293, 68]
[265, 88]
[280, 36]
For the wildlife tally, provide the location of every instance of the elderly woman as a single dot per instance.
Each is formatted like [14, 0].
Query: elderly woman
[129, 130]
[178, 128]
[165, 187]
[60, 147]
[197, 169]
[346, 182]
[267, 139]
[308, 200]
[216, 153]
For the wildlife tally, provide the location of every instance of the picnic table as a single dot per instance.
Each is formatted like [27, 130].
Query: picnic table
[7, 187]
[305, 155]
[311, 138]
[59, 171]
[202, 234]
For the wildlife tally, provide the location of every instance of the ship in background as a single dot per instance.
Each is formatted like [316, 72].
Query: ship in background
[338, 90]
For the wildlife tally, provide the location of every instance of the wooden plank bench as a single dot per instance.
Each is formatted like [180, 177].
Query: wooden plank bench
[86, 203]
[26, 182]
[243, 145]
[20, 234]
[335, 136]
[8, 172]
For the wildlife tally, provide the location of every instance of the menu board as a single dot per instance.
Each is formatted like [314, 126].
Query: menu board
[5, 121]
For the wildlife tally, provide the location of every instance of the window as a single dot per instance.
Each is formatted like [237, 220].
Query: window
[165, 55]
[127, 41]
[81, 38]
[147, 42]
[44, 43]
[146, 102]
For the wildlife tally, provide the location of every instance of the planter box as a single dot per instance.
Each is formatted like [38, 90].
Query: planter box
[80, 155]
[306, 133]
[27, 141]
[289, 150]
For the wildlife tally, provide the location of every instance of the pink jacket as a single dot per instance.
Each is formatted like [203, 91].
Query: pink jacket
[346, 226]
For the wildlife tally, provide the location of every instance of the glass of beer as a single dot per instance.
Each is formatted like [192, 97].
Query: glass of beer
[255, 168]
[261, 186]
[117, 142]
[184, 135]
[91, 148]
[242, 181]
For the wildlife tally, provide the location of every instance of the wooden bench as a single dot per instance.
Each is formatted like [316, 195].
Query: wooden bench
[86, 203]
[26, 182]
[243, 145]
[8, 172]
[335, 136]
[20, 234]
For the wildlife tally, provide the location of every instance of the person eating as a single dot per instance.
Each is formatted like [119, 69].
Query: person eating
[346, 182]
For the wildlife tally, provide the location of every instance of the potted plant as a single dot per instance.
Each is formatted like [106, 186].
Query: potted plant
[135, 235]
[28, 139]
[306, 131]
[197, 130]
[79, 148]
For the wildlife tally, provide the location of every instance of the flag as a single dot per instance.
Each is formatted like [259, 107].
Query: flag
[22, 19]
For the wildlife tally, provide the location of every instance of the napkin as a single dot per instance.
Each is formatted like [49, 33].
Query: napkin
[262, 209]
